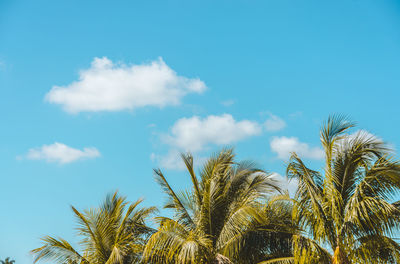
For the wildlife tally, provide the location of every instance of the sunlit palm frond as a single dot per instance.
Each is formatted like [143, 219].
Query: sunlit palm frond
[309, 211]
[352, 154]
[58, 250]
[188, 160]
[259, 232]
[227, 216]
[353, 202]
[379, 249]
[332, 131]
[115, 232]
[285, 260]
[216, 165]
[173, 242]
[173, 201]
[308, 251]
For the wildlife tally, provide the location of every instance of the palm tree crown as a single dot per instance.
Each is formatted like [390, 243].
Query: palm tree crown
[7, 261]
[221, 219]
[348, 209]
[113, 233]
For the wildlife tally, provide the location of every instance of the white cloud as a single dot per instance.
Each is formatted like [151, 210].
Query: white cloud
[193, 134]
[107, 86]
[61, 153]
[284, 146]
[285, 184]
[274, 123]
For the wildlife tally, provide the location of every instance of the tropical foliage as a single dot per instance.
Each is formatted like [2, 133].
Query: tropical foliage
[223, 218]
[235, 212]
[116, 232]
[7, 261]
[348, 208]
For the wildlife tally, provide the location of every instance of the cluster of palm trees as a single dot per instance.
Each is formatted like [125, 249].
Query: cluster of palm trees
[237, 213]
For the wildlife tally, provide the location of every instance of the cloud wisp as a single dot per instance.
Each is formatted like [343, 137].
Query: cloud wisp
[228, 102]
[61, 153]
[274, 123]
[108, 86]
[284, 146]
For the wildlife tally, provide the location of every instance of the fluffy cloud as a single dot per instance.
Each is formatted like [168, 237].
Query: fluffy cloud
[274, 123]
[194, 133]
[107, 86]
[284, 146]
[61, 153]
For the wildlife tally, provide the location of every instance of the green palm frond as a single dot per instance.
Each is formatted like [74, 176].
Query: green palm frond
[333, 130]
[225, 207]
[376, 249]
[188, 160]
[7, 261]
[167, 243]
[286, 260]
[115, 232]
[350, 202]
[173, 201]
[308, 251]
[58, 250]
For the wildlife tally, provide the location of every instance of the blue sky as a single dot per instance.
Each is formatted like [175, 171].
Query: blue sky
[94, 94]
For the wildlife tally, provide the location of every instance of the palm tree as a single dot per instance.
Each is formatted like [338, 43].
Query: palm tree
[113, 233]
[348, 212]
[222, 218]
[7, 261]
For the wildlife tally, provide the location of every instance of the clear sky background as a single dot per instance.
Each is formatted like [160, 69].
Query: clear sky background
[94, 94]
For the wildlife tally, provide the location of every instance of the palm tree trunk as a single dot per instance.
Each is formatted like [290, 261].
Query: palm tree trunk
[340, 257]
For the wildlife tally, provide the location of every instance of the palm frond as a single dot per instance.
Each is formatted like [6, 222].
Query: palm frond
[286, 260]
[57, 250]
[188, 160]
[173, 201]
[115, 232]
